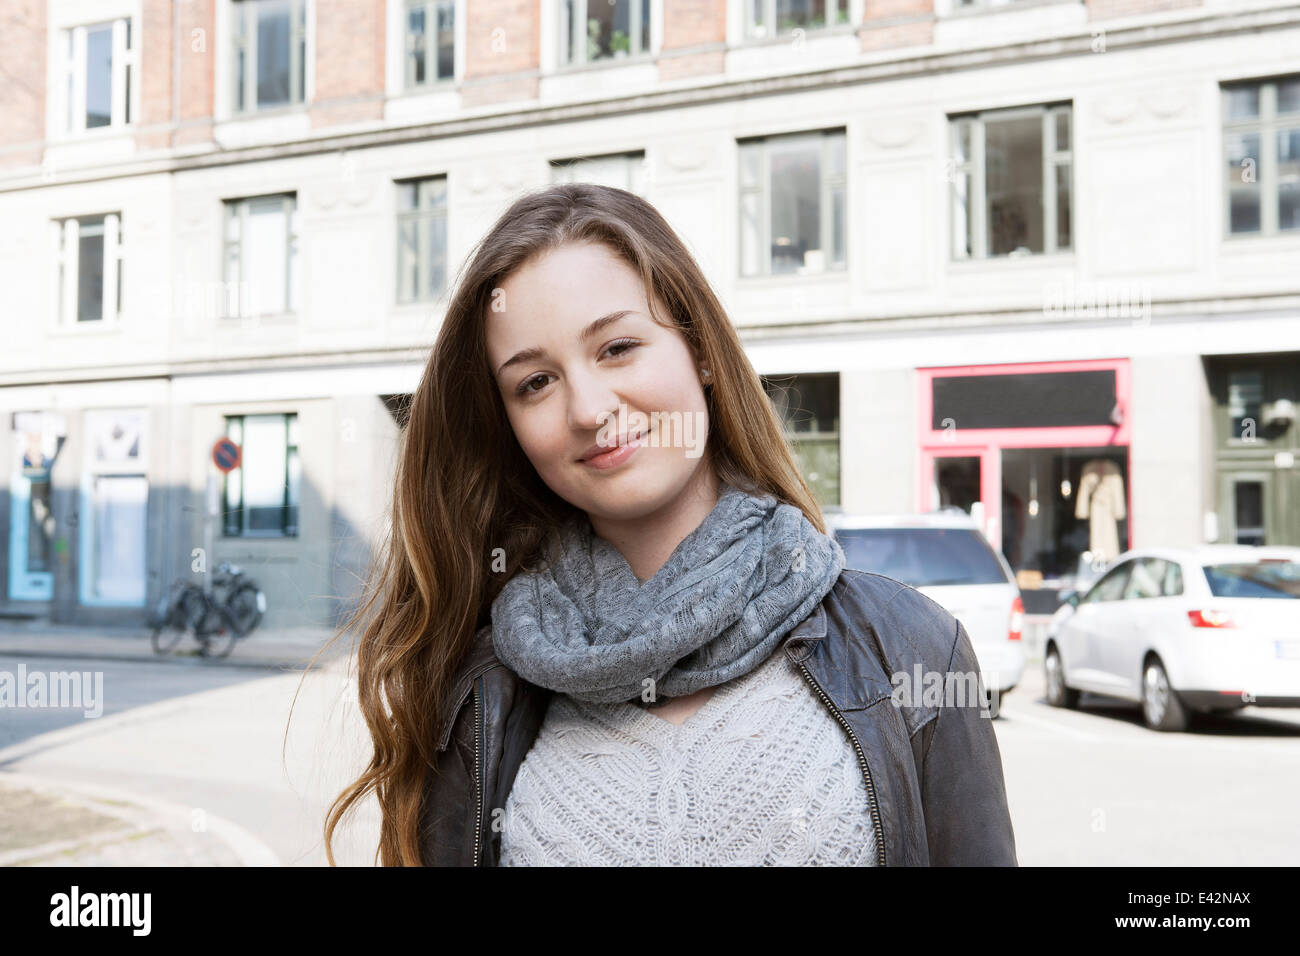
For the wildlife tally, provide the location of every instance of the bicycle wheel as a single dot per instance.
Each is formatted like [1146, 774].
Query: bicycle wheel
[217, 638]
[245, 608]
[163, 623]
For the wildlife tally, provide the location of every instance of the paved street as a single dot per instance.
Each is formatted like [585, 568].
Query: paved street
[1095, 787]
[185, 768]
[200, 749]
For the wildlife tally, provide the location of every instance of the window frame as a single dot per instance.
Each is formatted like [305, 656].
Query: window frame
[65, 233]
[1267, 124]
[242, 39]
[288, 528]
[124, 77]
[976, 168]
[421, 216]
[748, 27]
[642, 17]
[430, 10]
[293, 272]
[826, 189]
[634, 162]
[789, 415]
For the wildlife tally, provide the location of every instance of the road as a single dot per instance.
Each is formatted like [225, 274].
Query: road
[1096, 787]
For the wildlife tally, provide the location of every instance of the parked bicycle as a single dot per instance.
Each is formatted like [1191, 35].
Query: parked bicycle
[233, 609]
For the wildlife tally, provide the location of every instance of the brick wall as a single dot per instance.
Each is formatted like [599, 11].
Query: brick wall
[501, 51]
[349, 62]
[1103, 9]
[887, 24]
[688, 25]
[22, 82]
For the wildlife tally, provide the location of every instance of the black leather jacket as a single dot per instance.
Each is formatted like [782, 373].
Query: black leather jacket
[933, 773]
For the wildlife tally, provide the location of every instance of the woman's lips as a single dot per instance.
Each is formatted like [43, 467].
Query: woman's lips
[615, 456]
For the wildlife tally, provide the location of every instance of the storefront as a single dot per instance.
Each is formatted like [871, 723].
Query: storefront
[1038, 454]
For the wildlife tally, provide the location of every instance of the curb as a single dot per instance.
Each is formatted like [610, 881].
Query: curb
[176, 819]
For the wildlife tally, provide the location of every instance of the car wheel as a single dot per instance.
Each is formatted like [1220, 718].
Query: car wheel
[1161, 708]
[1058, 694]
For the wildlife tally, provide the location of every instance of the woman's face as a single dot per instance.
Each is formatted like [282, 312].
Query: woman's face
[596, 369]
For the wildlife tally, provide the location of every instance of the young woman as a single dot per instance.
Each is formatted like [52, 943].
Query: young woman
[610, 626]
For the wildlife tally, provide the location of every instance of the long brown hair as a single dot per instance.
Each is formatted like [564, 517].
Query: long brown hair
[464, 487]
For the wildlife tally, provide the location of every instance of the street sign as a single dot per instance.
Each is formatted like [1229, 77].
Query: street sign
[225, 454]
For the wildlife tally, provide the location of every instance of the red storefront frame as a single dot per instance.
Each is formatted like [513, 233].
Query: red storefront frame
[986, 444]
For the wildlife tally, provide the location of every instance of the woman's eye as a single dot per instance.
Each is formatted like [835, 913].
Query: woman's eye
[524, 389]
[622, 345]
[626, 345]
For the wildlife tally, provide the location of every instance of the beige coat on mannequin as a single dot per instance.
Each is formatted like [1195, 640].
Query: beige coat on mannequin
[1101, 500]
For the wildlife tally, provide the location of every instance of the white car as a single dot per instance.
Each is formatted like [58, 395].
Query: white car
[946, 557]
[1213, 628]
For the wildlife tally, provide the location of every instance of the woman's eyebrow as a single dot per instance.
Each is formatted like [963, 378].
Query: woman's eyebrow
[592, 330]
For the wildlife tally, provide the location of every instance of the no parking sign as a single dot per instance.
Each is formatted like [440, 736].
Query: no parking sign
[225, 455]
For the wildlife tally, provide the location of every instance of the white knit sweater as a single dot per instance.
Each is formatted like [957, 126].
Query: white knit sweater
[762, 774]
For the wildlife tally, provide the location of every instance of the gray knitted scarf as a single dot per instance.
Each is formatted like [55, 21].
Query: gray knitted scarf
[742, 580]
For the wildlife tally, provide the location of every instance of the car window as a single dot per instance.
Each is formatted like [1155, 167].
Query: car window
[1111, 585]
[1144, 581]
[922, 556]
[1172, 585]
[1254, 579]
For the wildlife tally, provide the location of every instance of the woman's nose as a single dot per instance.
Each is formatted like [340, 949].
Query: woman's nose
[592, 403]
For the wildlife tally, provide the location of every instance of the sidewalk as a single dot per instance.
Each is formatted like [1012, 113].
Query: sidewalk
[274, 649]
[49, 823]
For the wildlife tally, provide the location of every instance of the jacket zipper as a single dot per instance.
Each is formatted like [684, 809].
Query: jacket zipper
[478, 775]
[862, 759]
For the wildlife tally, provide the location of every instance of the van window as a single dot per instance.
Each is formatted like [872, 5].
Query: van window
[922, 557]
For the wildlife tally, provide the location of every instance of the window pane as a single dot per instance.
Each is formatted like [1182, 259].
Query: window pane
[803, 14]
[1288, 178]
[1062, 131]
[272, 52]
[128, 94]
[436, 250]
[751, 221]
[99, 76]
[837, 226]
[1243, 188]
[1288, 96]
[796, 204]
[1062, 207]
[295, 480]
[1248, 503]
[264, 256]
[1245, 396]
[1241, 102]
[1013, 157]
[446, 41]
[433, 193]
[609, 28]
[750, 164]
[416, 44]
[90, 270]
[264, 464]
[645, 25]
[568, 20]
[757, 20]
[408, 262]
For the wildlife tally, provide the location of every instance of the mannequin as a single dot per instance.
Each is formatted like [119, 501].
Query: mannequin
[1101, 501]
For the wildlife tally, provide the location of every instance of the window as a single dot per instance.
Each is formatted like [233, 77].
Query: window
[922, 557]
[430, 27]
[1248, 512]
[89, 252]
[1111, 585]
[1172, 585]
[1275, 578]
[270, 53]
[592, 30]
[99, 63]
[981, 4]
[261, 495]
[809, 406]
[774, 18]
[421, 238]
[792, 201]
[1245, 401]
[1146, 579]
[1261, 139]
[261, 249]
[625, 171]
[1012, 182]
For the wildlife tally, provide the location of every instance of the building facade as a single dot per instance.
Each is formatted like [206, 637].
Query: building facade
[1038, 259]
